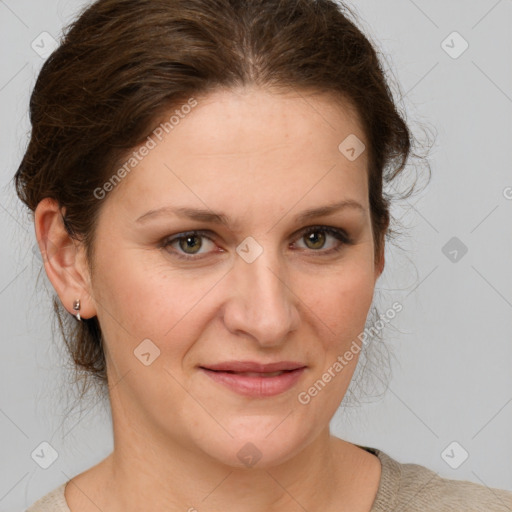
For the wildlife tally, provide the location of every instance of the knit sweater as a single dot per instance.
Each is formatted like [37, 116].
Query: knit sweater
[403, 487]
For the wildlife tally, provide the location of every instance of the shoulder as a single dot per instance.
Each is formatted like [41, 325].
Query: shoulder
[412, 487]
[426, 487]
[54, 501]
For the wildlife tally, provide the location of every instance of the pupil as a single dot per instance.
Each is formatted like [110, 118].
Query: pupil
[191, 246]
[312, 237]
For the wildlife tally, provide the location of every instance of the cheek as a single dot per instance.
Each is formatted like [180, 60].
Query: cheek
[139, 303]
[355, 299]
[341, 301]
[338, 313]
[147, 300]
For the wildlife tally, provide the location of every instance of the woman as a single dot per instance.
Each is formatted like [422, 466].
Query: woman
[207, 181]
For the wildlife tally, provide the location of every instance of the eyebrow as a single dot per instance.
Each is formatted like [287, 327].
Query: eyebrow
[220, 218]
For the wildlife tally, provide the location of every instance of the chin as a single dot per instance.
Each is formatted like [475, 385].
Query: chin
[264, 449]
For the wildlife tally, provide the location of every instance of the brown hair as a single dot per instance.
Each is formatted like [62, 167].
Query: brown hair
[122, 64]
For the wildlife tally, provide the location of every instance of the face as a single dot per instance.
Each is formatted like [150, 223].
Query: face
[177, 294]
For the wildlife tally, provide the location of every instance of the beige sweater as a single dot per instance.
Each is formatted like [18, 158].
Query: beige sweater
[402, 488]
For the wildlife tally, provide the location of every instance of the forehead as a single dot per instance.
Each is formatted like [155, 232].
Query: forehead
[255, 143]
[257, 117]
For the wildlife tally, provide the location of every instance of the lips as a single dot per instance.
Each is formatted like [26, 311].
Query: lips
[256, 384]
[252, 368]
[259, 374]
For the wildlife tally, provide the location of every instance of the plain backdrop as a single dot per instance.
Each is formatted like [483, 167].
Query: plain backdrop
[449, 401]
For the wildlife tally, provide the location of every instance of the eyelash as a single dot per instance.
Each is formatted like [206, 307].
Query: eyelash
[339, 234]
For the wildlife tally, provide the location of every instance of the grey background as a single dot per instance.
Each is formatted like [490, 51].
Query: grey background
[451, 344]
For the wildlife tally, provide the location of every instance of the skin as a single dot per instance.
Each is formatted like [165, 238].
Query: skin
[261, 158]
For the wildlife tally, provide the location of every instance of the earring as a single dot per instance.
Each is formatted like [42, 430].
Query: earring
[76, 307]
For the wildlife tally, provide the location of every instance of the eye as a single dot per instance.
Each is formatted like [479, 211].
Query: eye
[187, 245]
[316, 243]
[190, 243]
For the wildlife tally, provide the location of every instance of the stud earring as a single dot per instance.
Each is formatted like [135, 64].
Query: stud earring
[76, 307]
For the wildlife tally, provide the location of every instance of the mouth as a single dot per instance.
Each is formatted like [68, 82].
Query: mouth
[256, 384]
[251, 374]
[254, 367]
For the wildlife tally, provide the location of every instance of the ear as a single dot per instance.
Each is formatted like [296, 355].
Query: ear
[64, 259]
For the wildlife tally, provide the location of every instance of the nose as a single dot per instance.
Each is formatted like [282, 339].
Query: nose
[262, 304]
